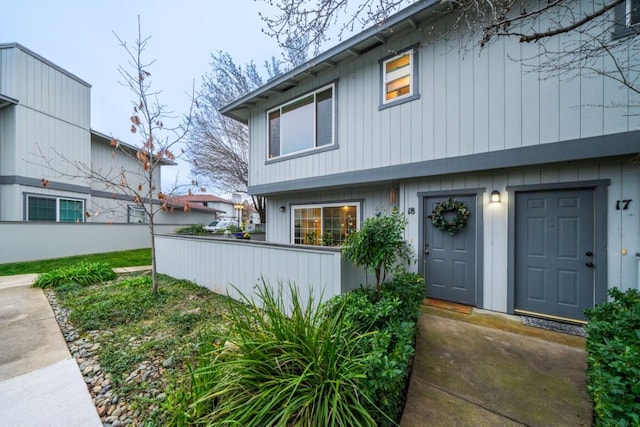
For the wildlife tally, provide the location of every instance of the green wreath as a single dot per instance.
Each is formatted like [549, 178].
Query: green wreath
[459, 222]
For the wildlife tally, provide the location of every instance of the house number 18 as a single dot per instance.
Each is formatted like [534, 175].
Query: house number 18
[622, 204]
[411, 211]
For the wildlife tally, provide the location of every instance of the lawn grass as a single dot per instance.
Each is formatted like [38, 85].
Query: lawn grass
[130, 258]
[137, 328]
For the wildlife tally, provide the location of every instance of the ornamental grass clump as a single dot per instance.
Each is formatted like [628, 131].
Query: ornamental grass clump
[283, 364]
[83, 274]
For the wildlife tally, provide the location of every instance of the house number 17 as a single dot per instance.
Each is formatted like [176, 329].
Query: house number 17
[622, 204]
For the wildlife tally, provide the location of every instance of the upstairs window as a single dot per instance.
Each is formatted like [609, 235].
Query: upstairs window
[627, 19]
[304, 124]
[633, 12]
[399, 78]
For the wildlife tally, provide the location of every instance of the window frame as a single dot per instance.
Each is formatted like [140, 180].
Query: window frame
[58, 200]
[315, 148]
[137, 209]
[322, 206]
[623, 27]
[414, 87]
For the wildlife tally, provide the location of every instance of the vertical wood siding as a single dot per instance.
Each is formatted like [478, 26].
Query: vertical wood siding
[471, 102]
[227, 266]
[623, 229]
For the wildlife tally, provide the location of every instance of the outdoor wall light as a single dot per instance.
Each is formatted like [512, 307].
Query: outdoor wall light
[282, 208]
[495, 196]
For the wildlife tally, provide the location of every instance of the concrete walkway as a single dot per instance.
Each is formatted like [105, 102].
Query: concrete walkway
[40, 383]
[487, 369]
[479, 369]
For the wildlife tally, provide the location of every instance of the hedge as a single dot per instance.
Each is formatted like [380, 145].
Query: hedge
[613, 359]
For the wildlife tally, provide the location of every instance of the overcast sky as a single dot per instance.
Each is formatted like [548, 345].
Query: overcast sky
[78, 35]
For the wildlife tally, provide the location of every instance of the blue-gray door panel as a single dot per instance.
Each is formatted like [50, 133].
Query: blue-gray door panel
[449, 265]
[555, 240]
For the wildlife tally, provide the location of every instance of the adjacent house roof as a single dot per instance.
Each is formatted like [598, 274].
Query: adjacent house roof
[407, 19]
[107, 140]
[193, 201]
[199, 198]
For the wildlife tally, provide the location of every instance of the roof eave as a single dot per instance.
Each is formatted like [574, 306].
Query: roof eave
[239, 109]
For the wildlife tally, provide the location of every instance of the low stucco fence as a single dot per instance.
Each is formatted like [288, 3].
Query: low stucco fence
[227, 266]
[28, 241]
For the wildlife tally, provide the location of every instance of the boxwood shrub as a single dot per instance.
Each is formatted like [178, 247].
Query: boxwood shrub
[387, 319]
[613, 359]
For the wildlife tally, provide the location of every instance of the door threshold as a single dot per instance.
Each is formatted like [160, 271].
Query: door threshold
[550, 317]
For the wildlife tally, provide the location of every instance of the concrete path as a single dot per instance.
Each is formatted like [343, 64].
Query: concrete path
[40, 383]
[490, 370]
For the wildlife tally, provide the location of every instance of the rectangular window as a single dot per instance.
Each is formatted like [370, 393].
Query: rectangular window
[633, 12]
[303, 124]
[325, 225]
[137, 215]
[398, 77]
[54, 209]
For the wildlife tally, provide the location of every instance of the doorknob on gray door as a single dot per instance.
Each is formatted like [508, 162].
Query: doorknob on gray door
[589, 264]
[588, 253]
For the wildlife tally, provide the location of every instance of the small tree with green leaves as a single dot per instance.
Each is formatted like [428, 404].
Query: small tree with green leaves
[379, 245]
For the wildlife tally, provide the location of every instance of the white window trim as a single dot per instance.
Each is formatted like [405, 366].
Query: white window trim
[145, 217]
[57, 199]
[628, 10]
[393, 75]
[321, 206]
[315, 122]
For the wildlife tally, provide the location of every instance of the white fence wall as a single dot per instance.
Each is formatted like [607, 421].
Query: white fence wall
[28, 241]
[229, 266]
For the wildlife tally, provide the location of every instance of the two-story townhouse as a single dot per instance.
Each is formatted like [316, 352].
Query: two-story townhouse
[45, 133]
[396, 117]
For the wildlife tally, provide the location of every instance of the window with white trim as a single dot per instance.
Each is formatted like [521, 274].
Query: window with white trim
[54, 209]
[632, 12]
[627, 19]
[137, 215]
[304, 124]
[325, 225]
[398, 77]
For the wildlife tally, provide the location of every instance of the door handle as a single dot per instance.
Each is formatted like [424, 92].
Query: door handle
[426, 251]
[588, 253]
[589, 264]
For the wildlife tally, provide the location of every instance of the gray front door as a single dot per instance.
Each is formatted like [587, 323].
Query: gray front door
[555, 244]
[449, 267]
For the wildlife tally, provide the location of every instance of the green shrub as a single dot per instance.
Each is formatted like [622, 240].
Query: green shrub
[195, 229]
[379, 246]
[613, 359]
[301, 368]
[83, 274]
[391, 314]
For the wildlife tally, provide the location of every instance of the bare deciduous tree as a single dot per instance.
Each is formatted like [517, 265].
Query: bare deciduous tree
[592, 23]
[218, 145]
[140, 185]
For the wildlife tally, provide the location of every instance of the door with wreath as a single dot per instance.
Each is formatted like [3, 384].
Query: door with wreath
[449, 261]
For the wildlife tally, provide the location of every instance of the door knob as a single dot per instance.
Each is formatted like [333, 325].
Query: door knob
[588, 253]
[589, 264]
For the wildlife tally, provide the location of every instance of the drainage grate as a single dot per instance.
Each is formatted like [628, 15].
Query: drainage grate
[552, 325]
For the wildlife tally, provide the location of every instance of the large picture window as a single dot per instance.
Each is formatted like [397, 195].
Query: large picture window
[304, 124]
[326, 225]
[54, 209]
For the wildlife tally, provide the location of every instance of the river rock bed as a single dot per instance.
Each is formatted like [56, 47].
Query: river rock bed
[114, 410]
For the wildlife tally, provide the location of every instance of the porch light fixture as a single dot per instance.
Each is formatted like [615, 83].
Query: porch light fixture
[282, 209]
[495, 196]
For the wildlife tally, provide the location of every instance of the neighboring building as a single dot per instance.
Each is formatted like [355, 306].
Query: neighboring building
[395, 118]
[224, 208]
[42, 107]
